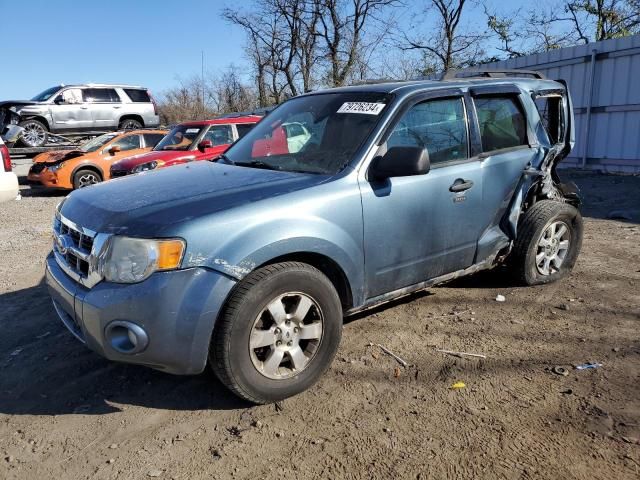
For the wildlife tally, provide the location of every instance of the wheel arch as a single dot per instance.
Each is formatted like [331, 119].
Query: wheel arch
[130, 116]
[87, 166]
[329, 267]
[39, 118]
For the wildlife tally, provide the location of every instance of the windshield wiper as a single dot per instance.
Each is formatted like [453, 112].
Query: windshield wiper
[258, 164]
[222, 156]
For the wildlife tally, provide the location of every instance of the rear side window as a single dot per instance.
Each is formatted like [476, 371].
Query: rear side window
[152, 139]
[219, 135]
[244, 128]
[437, 125]
[137, 95]
[552, 116]
[502, 124]
[100, 95]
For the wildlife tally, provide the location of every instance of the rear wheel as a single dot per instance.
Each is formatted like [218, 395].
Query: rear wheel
[130, 124]
[278, 333]
[85, 178]
[548, 243]
[35, 133]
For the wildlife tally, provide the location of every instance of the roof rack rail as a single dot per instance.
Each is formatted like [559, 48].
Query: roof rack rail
[490, 73]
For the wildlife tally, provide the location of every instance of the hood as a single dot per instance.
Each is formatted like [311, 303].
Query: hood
[164, 155]
[16, 103]
[156, 203]
[58, 156]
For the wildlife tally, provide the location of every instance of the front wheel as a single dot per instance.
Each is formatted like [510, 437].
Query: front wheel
[35, 133]
[548, 242]
[278, 332]
[85, 178]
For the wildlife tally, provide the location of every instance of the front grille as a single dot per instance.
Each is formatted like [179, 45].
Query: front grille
[76, 249]
[118, 173]
[37, 167]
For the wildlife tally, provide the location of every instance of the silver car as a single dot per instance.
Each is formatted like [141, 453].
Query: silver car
[80, 110]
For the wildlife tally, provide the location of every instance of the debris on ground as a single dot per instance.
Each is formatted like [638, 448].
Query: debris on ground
[154, 473]
[461, 354]
[588, 366]
[400, 360]
[500, 298]
[458, 385]
[560, 371]
[397, 372]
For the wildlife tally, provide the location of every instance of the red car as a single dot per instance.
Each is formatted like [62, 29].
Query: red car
[186, 142]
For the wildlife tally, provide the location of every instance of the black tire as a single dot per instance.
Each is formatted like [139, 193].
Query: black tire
[129, 124]
[35, 133]
[85, 178]
[536, 221]
[230, 355]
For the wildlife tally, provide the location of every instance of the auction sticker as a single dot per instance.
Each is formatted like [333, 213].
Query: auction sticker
[362, 107]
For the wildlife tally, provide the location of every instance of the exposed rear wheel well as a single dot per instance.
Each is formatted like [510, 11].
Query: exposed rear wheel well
[328, 267]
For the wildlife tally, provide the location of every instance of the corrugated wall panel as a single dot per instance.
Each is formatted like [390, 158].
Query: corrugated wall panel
[613, 141]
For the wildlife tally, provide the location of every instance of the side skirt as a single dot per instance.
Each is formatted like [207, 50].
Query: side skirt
[486, 264]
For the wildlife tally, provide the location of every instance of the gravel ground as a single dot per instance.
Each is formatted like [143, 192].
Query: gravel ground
[67, 413]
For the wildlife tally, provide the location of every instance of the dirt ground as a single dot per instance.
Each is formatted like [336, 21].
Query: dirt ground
[67, 413]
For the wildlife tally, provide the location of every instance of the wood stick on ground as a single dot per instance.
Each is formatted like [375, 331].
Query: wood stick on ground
[390, 353]
[460, 354]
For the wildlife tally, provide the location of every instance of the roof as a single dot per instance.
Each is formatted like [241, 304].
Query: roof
[409, 86]
[99, 85]
[224, 121]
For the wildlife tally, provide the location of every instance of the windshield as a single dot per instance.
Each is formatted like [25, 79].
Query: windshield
[181, 137]
[95, 143]
[46, 95]
[311, 134]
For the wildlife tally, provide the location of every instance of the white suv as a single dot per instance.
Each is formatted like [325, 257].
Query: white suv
[80, 110]
[8, 179]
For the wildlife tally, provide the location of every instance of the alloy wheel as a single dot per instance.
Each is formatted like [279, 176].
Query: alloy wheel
[286, 335]
[553, 247]
[88, 179]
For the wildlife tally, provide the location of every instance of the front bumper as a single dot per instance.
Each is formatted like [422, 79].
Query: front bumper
[176, 309]
[45, 178]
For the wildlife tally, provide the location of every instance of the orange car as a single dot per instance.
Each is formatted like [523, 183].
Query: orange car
[91, 163]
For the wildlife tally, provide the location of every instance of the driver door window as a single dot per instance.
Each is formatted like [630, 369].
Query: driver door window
[439, 126]
[219, 135]
[130, 142]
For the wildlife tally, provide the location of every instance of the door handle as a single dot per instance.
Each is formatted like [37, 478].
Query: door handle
[117, 106]
[84, 107]
[460, 185]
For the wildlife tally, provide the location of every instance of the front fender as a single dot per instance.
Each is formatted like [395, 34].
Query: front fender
[248, 248]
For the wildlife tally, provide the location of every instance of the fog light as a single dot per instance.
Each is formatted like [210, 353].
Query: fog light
[126, 337]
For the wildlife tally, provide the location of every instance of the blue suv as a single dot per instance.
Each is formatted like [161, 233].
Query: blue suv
[250, 263]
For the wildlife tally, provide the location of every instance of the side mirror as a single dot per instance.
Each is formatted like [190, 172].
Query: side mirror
[59, 100]
[204, 144]
[400, 162]
[115, 149]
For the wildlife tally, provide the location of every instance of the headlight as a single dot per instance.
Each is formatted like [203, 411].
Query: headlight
[53, 168]
[131, 260]
[143, 167]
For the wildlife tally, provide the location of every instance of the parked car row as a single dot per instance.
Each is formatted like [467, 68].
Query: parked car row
[127, 152]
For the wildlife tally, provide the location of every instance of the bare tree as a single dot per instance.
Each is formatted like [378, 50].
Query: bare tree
[185, 101]
[604, 19]
[451, 45]
[342, 29]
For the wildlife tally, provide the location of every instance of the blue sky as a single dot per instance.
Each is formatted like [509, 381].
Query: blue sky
[46, 42]
[145, 42]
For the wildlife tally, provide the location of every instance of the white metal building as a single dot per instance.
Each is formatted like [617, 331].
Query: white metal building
[604, 80]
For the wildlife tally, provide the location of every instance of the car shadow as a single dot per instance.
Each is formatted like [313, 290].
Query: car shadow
[45, 371]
